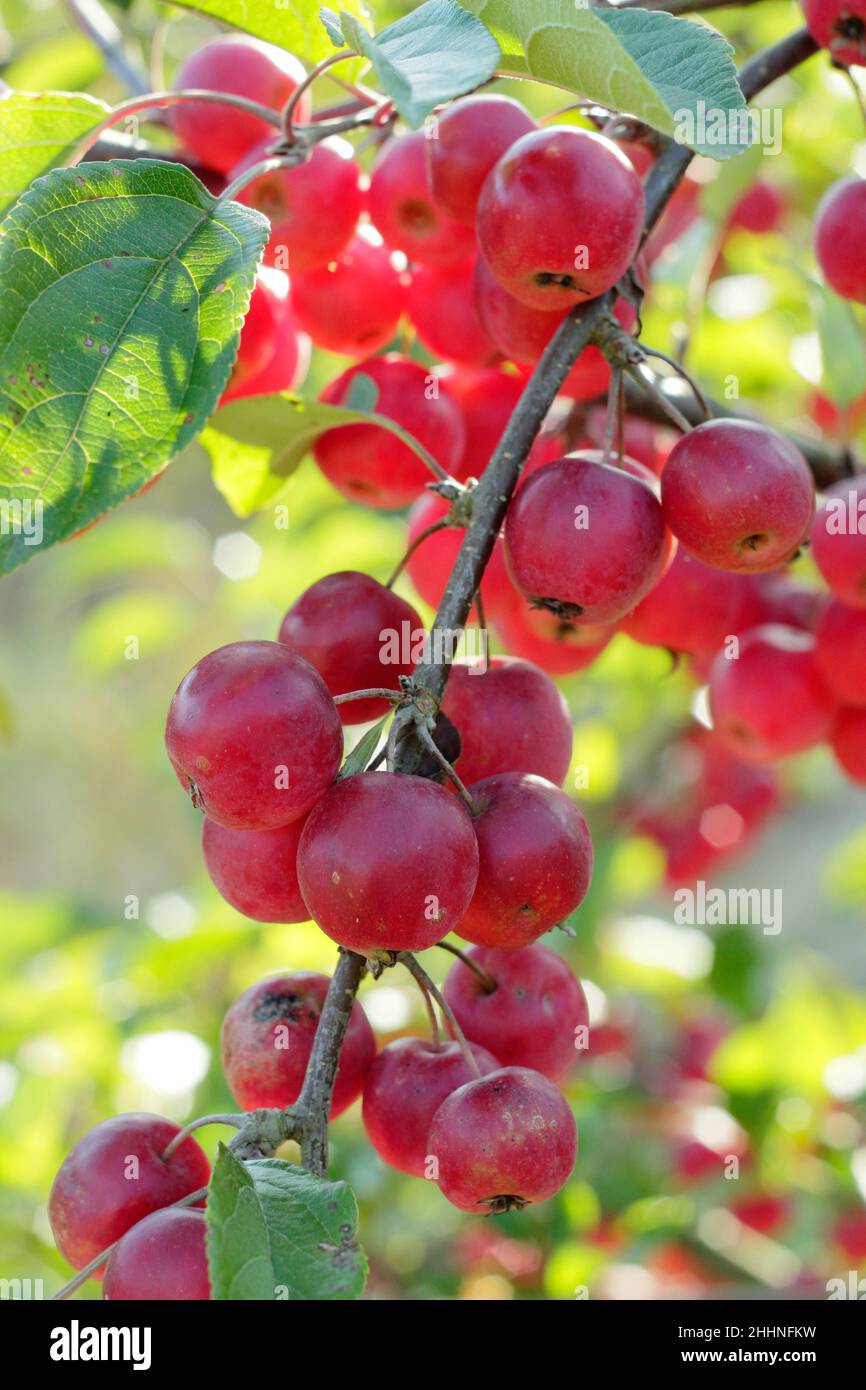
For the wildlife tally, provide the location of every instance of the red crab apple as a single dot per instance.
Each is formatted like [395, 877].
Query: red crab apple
[769, 700]
[840, 27]
[560, 217]
[387, 862]
[840, 652]
[692, 608]
[839, 541]
[219, 134]
[114, 1176]
[313, 207]
[534, 860]
[443, 309]
[354, 303]
[738, 495]
[267, 1037]
[471, 135]
[510, 717]
[405, 1086]
[522, 333]
[848, 741]
[487, 398]
[162, 1259]
[369, 464]
[358, 635]
[840, 232]
[503, 1141]
[256, 870]
[536, 1011]
[558, 646]
[271, 356]
[760, 209]
[586, 539]
[253, 735]
[431, 564]
[401, 206]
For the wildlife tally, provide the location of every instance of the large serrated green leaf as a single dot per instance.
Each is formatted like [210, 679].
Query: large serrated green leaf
[274, 1231]
[646, 63]
[39, 130]
[436, 52]
[295, 26]
[843, 352]
[125, 287]
[256, 443]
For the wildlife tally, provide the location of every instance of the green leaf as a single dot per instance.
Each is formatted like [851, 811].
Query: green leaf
[256, 443]
[126, 284]
[238, 1245]
[332, 26]
[37, 132]
[363, 393]
[436, 52]
[274, 1231]
[294, 26]
[843, 351]
[645, 63]
[358, 759]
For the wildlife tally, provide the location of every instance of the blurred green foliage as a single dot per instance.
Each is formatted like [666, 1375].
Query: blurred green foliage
[119, 958]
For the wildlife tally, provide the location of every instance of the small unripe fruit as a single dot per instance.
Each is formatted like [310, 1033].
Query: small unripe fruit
[387, 862]
[267, 1037]
[560, 217]
[114, 1176]
[405, 1086]
[253, 735]
[510, 717]
[738, 495]
[586, 539]
[358, 635]
[770, 701]
[503, 1141]
[162, 1259]
[471, 136]
[535, 860]
[536, 1013]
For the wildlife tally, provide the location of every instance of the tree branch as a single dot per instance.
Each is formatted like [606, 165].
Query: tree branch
[100, 28]
[312, 1110]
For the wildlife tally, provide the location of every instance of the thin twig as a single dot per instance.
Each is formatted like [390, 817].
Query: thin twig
[302, 88]
[419, 540]
[94, 21]
[435, 752]
[375, 693]
[650, 387]
[431, 1011]
[686, 376]
[406, 958]
[236, 1122]
[486, 979]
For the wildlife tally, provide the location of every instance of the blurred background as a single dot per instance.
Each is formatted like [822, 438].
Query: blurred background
[119, 958]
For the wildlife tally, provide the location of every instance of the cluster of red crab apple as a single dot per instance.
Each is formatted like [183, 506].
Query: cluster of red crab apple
[471, 235]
